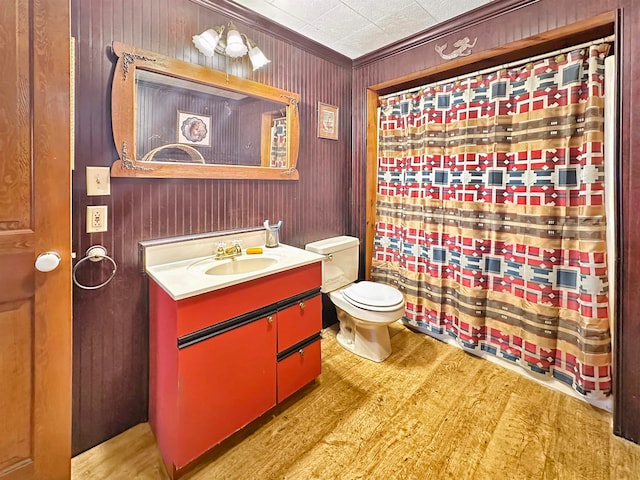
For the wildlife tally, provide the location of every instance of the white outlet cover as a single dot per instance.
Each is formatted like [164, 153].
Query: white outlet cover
[98, 181]
[96, 218]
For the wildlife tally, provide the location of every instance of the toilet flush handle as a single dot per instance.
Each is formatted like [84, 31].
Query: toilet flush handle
[328, 257]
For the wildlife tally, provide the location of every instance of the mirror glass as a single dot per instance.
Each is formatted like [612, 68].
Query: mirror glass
[176, 119]
[222, 126]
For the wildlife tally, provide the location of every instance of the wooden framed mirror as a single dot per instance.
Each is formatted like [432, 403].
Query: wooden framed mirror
[174, 119]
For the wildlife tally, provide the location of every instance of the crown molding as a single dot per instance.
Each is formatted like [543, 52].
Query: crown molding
[254, 20]
[466, 20]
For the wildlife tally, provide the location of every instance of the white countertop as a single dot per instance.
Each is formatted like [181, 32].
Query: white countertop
[185, 278]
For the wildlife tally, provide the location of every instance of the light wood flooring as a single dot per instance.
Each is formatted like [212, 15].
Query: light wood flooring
[430, 411]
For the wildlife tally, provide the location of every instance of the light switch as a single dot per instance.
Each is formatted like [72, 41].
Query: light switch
[98, 181]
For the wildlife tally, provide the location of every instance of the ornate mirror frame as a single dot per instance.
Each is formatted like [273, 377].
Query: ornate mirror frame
[123, 111]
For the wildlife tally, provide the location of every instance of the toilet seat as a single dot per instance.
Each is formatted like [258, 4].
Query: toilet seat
[367, 315]
[373, 296]
[371, 308]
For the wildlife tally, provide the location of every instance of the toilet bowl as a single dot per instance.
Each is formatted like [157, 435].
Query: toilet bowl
[364, 309]
[363, 327]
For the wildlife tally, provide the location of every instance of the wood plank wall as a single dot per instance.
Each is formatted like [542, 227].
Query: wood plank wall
[524, 22]
[110, 324]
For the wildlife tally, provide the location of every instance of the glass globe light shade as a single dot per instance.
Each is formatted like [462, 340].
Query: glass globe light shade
[257, 58]
[206, 42]
[235, 46]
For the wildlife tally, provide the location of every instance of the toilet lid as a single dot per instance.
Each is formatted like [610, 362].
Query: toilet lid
[373, 294]
[371, 308]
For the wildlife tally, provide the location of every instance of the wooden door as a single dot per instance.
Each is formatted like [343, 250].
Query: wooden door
[35, 216]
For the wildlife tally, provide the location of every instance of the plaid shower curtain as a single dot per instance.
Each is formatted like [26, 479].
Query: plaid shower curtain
[490, 215]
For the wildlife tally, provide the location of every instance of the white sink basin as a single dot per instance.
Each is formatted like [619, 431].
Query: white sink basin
[185, 269]
[237, 265]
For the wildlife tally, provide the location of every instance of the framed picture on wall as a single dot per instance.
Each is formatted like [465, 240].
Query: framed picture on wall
[194, 129]
[327, 121]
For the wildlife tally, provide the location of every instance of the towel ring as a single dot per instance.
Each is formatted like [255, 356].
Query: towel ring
[96, 253]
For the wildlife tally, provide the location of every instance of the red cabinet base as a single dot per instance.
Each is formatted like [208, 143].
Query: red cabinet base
[215, 367]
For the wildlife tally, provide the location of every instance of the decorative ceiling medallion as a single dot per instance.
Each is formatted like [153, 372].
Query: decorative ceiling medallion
[463, 48]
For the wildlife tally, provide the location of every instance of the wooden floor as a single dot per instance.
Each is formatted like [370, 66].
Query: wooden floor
[431, 411]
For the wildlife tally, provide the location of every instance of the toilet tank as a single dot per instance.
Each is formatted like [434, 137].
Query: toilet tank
[341, 268]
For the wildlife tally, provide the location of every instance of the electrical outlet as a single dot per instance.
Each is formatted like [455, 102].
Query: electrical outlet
[96, 218]
[98, 181]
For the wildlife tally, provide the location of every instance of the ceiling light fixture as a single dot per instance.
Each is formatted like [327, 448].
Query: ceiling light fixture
[233, 45]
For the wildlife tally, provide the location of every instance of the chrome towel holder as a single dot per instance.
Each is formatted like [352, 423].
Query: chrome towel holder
[95, 253]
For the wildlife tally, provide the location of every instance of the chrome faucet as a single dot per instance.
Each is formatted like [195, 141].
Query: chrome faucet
[228, 252]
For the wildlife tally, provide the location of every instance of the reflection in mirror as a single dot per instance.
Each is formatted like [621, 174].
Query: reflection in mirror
[176, 119]
[222, 126]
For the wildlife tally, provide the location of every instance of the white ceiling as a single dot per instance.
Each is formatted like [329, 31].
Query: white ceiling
[357, 27]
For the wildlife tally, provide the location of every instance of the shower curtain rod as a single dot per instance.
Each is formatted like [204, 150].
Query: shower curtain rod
[515, 63]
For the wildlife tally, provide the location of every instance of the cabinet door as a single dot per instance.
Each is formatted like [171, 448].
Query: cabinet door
[298, 368]
[224, 382]
[299, 321]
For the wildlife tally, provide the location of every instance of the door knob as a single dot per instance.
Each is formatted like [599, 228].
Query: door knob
[47, 261]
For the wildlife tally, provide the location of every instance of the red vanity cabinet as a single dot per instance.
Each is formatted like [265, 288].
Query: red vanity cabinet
[221, 359]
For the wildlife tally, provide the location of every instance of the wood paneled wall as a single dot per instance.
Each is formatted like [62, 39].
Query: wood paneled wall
[531, 19]
[110, 324]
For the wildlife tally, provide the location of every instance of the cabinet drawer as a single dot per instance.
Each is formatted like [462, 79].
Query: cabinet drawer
[298, 368]
[299, 321]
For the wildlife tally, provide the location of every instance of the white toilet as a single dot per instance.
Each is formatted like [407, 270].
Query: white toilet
[364, 309]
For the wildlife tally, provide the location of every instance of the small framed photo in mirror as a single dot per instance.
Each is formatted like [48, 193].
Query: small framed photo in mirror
[194, 129]
[327, 121]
